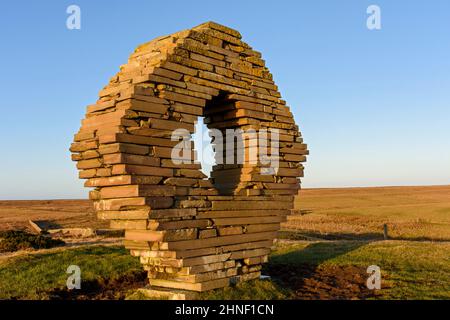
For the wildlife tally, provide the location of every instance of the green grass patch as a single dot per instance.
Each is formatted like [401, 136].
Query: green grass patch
[33, 276]
[250, 290]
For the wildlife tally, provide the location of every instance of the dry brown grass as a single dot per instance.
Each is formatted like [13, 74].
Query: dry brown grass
[64, 213]
[411, 213]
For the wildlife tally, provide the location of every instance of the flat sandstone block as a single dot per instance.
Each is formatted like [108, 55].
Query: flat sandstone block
[160, 293]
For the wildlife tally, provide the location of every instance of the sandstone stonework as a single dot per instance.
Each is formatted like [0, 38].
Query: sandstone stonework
[190, 232]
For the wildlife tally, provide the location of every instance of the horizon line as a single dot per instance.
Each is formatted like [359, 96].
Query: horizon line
[314, 188]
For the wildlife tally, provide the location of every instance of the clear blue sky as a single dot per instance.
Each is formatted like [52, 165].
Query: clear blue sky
[374, 106]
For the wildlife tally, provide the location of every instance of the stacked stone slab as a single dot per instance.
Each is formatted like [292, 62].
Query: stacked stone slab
[189, 231]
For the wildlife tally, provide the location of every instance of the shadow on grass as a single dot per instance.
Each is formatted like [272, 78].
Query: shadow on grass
[300, 212]
[311, 235]
[302, 273]
[47, 224]
[299, 273]
[368, 236]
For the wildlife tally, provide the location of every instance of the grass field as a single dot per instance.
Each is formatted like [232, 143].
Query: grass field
[323, 254]
[300, 270]
[15, 214]
[411, 213]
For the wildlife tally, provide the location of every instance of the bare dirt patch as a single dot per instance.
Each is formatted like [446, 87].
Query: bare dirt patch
[308, 282]
[103, 289]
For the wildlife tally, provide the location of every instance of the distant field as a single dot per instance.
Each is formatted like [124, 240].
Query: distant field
[14, 214]
[354, 213]
[411, 213]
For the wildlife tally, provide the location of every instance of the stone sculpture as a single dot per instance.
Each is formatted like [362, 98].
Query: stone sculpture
[191, 232]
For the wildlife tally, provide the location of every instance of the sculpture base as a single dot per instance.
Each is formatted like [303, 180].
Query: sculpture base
[159, 293]
[184, 291]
